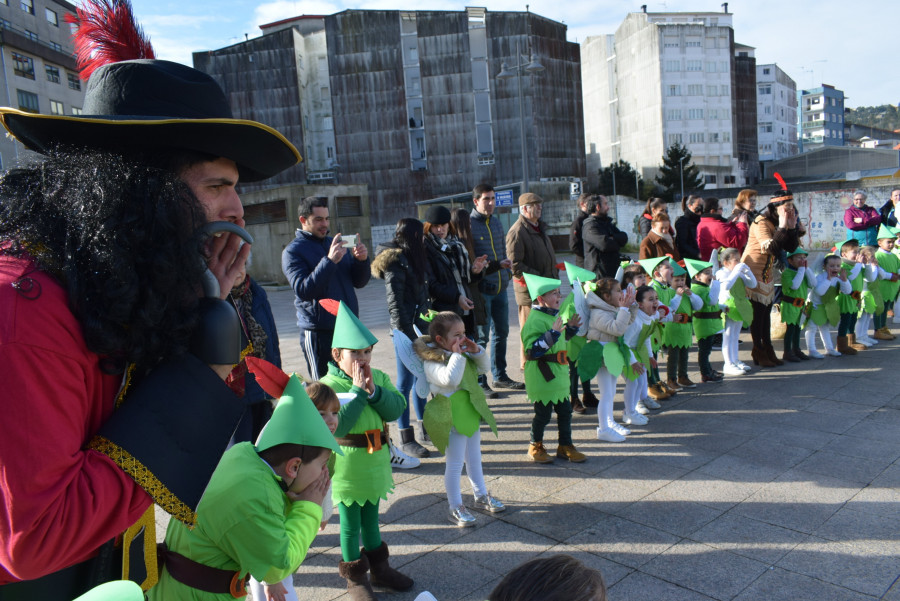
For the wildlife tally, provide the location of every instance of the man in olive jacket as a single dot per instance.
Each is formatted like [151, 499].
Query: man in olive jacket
[529, 248]
[602, 240]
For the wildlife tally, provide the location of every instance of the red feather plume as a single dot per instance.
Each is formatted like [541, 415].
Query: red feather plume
[269, 377]
[560, 266]
[780, 180]
[330, 305]
[107, 33]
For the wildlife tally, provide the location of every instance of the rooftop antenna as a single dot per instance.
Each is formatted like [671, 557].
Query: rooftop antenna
[644, 8]
[725, 6]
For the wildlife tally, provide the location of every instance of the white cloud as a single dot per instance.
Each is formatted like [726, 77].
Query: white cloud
[270, 12]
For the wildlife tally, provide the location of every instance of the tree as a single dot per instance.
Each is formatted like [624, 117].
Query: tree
[619, 179]
[669, 177]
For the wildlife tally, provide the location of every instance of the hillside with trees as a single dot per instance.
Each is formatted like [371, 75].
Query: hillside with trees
[886, 116]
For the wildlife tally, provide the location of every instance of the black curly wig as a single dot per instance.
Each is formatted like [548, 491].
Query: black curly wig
[121, 237]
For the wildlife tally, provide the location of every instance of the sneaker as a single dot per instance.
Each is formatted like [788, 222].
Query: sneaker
[509, 384]
[649, 404]
[685, 382]
[538, 454]
[834, 353]
[672, 391]
[673, 385]
[658, 392]
[567, 451]
[733, 370]
[815, 354]
[488, 391]
[609, 435]
[713, 376]
[461, 517]
[744, 366]
[620, 428]
[642, 408]
[635, 419]
[401, 460]
[486, 502]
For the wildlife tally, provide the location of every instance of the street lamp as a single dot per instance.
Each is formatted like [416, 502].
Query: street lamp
[507, 72]
[681, 175]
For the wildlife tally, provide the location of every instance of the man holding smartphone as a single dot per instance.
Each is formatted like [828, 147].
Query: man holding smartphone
[319, 267]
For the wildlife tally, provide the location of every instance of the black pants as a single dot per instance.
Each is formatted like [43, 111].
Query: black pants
[847, 325]
[542, 415]
[761, 327]
[704, 348]
[677, 363]
[574, 381]
[792, 338]
[316, 347]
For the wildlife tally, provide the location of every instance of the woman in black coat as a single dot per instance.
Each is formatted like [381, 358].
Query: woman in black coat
[686, 228]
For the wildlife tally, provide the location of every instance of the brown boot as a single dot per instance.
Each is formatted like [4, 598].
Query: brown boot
[881, 334]
[788, 355]
[773, 357]
[588, 399]
[673, 385]
[685, 382]
[577, 407]
[356, 573]
[657, 393]
[760, 357]
[843, 346]
[382, 573]
[538, 454]
[854, 344]
[567, 451]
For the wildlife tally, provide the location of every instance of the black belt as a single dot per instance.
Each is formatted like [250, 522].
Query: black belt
[371, 439]
[202, 577]
[707, 314]
[544, 361]
[681, 318]
[797, 302]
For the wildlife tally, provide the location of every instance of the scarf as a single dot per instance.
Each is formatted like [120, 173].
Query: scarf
[242, 298]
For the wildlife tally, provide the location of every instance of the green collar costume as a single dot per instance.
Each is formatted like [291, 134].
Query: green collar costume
[708, 319]
[537, 387]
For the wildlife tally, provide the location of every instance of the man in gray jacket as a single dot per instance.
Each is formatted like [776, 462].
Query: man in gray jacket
[488, 238]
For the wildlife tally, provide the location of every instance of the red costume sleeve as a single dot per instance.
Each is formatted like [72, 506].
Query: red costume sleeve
[58, 502]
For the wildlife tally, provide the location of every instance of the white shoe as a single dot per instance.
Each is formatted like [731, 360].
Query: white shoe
[815, 354]
[834, 352]
[871, 341]
[744, 366]
[609, 435]
[635, 419]
[620, 428]
[733, 370]
[864, 341]
[401, 460]
[649, 404]
[641, 408]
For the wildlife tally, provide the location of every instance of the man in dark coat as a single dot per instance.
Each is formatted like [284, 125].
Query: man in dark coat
[602, 240]
[576, 241]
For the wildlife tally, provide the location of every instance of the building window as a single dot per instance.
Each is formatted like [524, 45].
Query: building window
[23, 66]
[713, 137]
[692, 43]
[674, 139]
[329, 152]
[768, 110]
[674, 90]
[327, 123]
[766, 71]
[56, 107]
[697, 137]
[27, 6]
[725, 90]
[31, 35]
[695, 90]
[710, 67]
[671, 42]
[51, 17]
[726, 136]
[28, 101]
[712, 91]
[76, 110]
[765, 89]
[709, 179]
[55, 46]
[74, 81]
[765, 128]
[5, 24]
[672, 66]
[52, 74]
[695, 65]
[673, 115]
[695, 113]
[729, 179]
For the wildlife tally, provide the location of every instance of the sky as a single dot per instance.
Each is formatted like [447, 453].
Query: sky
[814, 41]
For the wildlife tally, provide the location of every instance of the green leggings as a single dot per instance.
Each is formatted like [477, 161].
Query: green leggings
[356, 519]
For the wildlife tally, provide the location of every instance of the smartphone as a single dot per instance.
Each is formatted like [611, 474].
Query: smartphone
[348, 241]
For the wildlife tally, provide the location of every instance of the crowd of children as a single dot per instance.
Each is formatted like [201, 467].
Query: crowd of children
[264, 504]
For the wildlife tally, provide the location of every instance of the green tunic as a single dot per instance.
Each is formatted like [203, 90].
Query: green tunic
[828, 311]
[245, 523]
[847, 303]
[739, 307]
[537, 388]
[789, 313]
[679, 335]
[463, 410]
[704, 327]
[665, 294]
[361, 477]
[891, 264]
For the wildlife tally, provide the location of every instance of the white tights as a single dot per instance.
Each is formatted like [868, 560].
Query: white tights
[258, 593]
[862, 325]
[824, 333]
[635, 390]
[463, 449]
[606, 382]
[730, 341]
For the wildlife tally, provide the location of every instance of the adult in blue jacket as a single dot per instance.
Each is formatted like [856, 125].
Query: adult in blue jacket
[319, 267]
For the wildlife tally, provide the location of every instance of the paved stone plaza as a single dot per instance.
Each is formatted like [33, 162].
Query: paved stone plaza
[783, 484]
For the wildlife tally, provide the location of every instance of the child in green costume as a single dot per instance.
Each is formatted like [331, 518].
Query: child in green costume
[890, 286]
[678, 336]
[639, 339]
[734, 278]
[708, 319]
[452, 364]
[795, 282]
[578, 276]
[824, 310]
[546, 368]
[849, 304]
[660, 270]
[362, 476]
[635, 275]
[261, 509]
[872, 301]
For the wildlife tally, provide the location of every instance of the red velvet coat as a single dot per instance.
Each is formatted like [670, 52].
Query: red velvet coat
[714, 232]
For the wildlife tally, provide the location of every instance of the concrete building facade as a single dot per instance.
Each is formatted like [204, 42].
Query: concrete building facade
[821, 117]
[776, 101]
[664, 78]
[38, 65]
[408, 102]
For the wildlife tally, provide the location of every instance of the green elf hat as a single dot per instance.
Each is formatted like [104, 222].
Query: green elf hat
[650, 265]
[349, 331]
[677, 269]
[886, 232]
[799, 251]
[574, 272]
[538, 285]
[296, 420]
[838, 246]
[694, 266]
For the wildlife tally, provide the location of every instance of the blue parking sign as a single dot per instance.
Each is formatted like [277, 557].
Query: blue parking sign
[503, 198]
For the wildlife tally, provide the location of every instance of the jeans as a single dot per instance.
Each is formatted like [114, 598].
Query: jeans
[406, 385]
[496, 309]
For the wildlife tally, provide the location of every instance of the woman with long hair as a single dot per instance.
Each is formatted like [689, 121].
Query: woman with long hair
[773, 232]
[654, 207]
[744, 205]
[401, 263]
[686, 227]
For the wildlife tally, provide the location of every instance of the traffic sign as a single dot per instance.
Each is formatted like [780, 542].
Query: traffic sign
[503, 198]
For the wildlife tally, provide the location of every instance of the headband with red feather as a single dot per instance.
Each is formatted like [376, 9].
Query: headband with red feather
[107, 33]
[782, 195]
